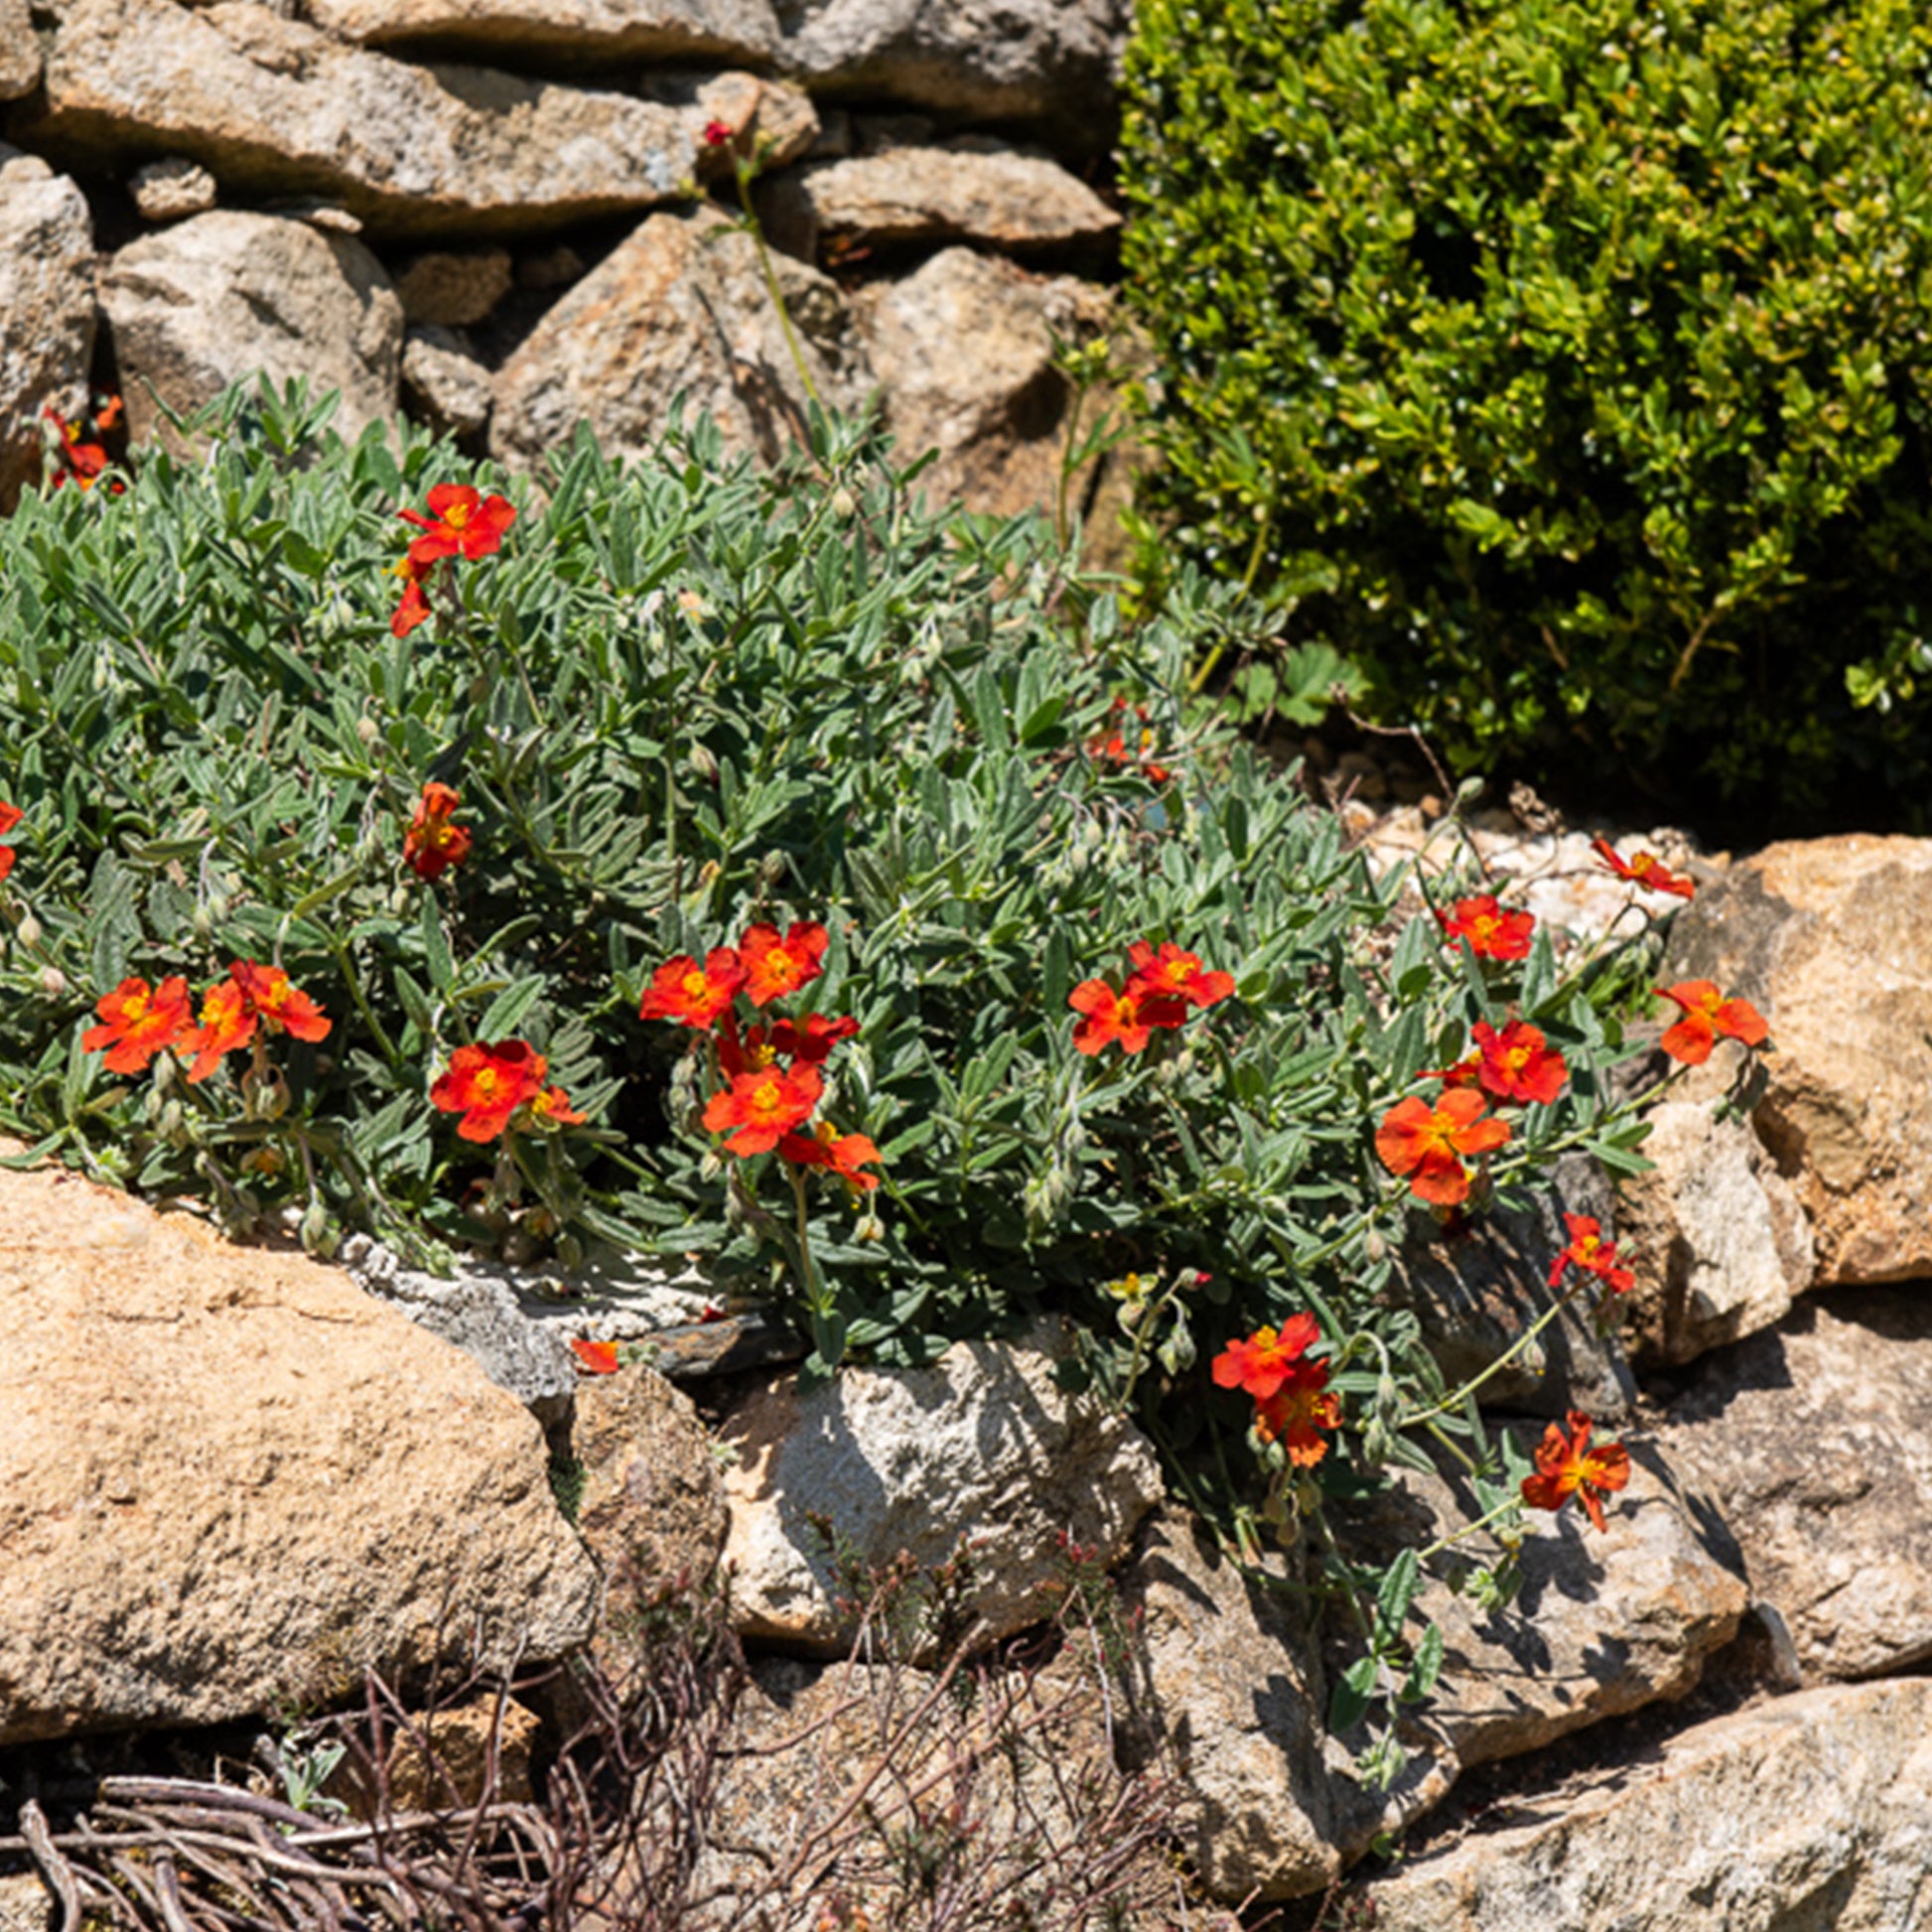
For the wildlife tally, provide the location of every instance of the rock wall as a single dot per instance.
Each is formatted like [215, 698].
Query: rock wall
[505, 216]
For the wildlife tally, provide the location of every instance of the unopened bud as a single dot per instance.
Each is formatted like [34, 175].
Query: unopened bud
[704, 764]
[772, 868]
[319, 1235]
[28, 930]
[843, 501]
[53, 982]
[368, 730]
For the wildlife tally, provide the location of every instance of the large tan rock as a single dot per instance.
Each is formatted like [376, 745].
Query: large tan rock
[228, 1480]
[1015, 203]
[46, 308]
[1812, 1811]
[1832, 940]
[965, 353]
[982, 1446]
[678, 309]
[220, 298]
[586, 31]
[272, 105]
[20, 51]
[1814, 1436]
[1053, 61]
[1715, 1236]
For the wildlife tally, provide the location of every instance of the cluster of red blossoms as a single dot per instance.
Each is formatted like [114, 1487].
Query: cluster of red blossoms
[1161, 988]
[1566, 1465]
[771, 1073]
[10, 816]
[77, 460]
[139, 1021]
[1293, 1405]
[1111, 746]
[499, 1086]
[461, 522]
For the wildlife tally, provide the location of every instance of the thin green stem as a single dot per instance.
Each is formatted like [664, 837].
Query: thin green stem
[1459, 1397]
[744, 172]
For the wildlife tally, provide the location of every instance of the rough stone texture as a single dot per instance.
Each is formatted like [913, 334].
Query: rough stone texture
[1018, 202]
[984, 1444]
[173, 189]
[46, 309]
[442, 1760]
[26, 1906]
[454, 289]
[1602, 1623]
[446, 386]
[275, 106]
[965, 353]
[228, 1480]
[20, 51]
[768, 119]
[1716, 1237]
[1050, 60]
[1832, 940]
[653, 1508]
[587, 31]
[679, 307]
[212, 300]
[1224, 1688]
[1477, 1290]
[1807, 1812]
[1814, 1434]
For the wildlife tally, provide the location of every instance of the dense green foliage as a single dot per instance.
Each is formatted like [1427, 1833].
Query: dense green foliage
[1571, 360]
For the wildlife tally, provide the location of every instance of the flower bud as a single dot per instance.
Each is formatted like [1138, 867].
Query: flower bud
[53, 982]
[368, 730]
[703, 763]
[843, 501]
[772, 868]
[28, 930]
[320, 1234]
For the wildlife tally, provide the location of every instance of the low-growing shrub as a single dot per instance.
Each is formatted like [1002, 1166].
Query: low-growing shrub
[758, 867]
[1569, 361]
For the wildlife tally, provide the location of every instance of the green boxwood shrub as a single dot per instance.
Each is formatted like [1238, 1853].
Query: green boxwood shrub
[1569, 361]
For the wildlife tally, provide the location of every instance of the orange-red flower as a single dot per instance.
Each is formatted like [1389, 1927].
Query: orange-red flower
[1111, 746]
[762, 1106]
[1706, 1014]
[279, 1006]
[1518, 1063]
[594, 1357]
[1643, 869]
[1267, 1358]
[226, 1022]
[812, 1038]
[774, 967]
[414, 607]
[80, 461]
[1589, 1251]
[1427, 1143]
[433, 844]
[552, 1108]
[1173, 973]
[1298, 1412]
[1129, 1018]
[844, 1153]
[486, 1085]
[694, 995]
[1566, 1465]
[1492, 932]
[137, 1022]
[460, 522]
[10, 816]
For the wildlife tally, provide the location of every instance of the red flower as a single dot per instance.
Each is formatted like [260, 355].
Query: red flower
[1706, 1014]
[1426, 1143]
[279, 1006]
[80, 461]
[1518, 1063]
[552, 1108]
[717, 134]
[460, 523]
[774, 967]
[694, 995]
[10, 816]
[486, 1085]
[432, 844]
[1173, 973]
[1464, 1073]
[1492, 932]
[226, 1022]
[1111, 748]
[1129, 1017]
[1566, 1465]
[1642, 869]
[1267, 1358]
[1589, 1251]
[844, 1153]
[1298, 1412]
[138, 1022]
[812, 1038]
[594, 1357]
[414, 607]
[764, 1106]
